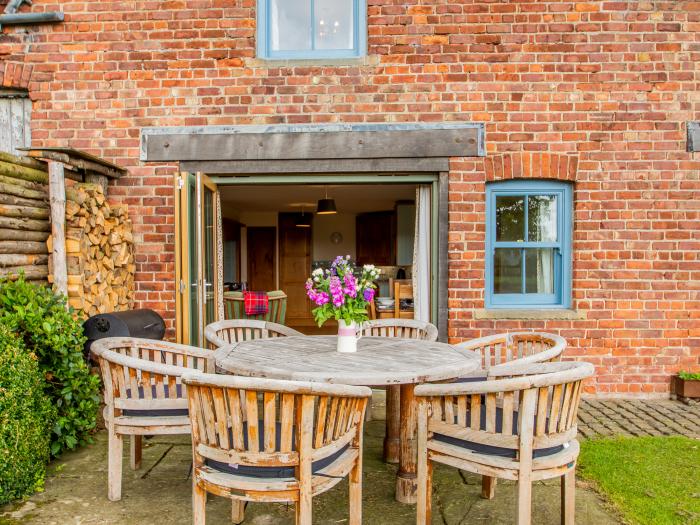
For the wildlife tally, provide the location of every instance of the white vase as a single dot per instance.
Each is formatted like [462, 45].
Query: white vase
[347, 337]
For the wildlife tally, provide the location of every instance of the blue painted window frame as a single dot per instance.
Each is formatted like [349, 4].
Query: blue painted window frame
[562, 271]
[265, 51]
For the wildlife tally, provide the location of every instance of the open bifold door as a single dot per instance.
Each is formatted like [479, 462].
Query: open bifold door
[197, 256]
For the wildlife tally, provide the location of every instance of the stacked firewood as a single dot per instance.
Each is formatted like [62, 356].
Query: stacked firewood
[24, 218]
[99, 251]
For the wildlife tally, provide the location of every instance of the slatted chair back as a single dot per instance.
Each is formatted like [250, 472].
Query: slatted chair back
[142, 375]
[524, 408]
[234, 307]
[401, 328]
[268, 424]
[403, 289]
[223, 333]
[516, 348]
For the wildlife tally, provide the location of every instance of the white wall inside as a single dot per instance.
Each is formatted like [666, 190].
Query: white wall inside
[324, 226]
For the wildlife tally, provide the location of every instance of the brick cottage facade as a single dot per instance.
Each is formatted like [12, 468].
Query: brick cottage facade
[594, 93]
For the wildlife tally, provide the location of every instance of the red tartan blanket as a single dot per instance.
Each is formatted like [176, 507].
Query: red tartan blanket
[256, 303]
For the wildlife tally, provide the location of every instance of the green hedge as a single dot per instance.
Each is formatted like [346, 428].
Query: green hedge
[56, 337]
[26, 418]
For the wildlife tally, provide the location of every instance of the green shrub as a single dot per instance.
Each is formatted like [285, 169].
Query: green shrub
[689, 376]
[26, 418]
[53, 334]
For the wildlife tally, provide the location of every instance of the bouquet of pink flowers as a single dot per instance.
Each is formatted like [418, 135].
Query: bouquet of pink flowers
[342, 292]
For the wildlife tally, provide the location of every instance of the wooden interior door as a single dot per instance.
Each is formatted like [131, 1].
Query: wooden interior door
[261, 258]
[376, 238]
[295, 268]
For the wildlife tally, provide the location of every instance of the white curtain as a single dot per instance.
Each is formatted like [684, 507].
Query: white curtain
[219, 259]
[545, 276]
[421, 256]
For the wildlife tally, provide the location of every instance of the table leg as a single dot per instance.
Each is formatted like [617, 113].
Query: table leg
[406, 482]
[392, 441]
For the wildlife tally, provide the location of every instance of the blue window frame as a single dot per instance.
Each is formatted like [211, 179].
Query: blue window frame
[308, 29]
[528, 244]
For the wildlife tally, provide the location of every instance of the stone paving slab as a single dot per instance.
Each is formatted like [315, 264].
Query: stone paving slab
[160, 493]
[638, 417]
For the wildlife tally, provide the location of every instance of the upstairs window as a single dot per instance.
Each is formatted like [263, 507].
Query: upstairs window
[528, 244]
[308, 29]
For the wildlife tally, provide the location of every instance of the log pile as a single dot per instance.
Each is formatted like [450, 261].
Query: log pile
[99, 250]
[24, 218]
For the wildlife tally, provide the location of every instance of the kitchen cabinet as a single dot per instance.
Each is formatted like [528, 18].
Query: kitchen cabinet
[376, 238]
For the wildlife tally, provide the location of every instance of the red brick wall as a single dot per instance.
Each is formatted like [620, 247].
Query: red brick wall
[607, 85]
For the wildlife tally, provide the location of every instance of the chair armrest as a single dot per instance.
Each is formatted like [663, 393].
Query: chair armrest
[145, 365]
[511, 378]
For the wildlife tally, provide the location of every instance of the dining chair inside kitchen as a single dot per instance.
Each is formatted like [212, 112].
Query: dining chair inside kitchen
[403, 289]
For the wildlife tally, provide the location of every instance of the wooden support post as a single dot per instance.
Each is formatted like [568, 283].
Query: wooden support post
[393, 424]
[406, 481]
[57, 199]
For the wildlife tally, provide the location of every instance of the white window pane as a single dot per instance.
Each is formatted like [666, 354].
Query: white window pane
[333, 24]
[542, 218]
[290, 25]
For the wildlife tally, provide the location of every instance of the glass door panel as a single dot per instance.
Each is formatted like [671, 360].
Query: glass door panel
[186, 259]
[196, 259]
[207, 200]
[209, 255]
[193, 263]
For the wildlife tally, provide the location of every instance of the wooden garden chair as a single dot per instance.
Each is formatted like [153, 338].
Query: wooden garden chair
[514, 348]
[143, 394]
[406, 329]
[403, 289]
[224, 333]
[286, 442]
[519, 425]
[507, 349]
[234, 307]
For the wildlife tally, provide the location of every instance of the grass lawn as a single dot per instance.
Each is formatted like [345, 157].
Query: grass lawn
[652, 480]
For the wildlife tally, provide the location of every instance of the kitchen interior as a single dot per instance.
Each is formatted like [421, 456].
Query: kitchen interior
[274, 236]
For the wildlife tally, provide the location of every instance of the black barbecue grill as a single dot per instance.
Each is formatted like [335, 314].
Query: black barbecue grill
[144, 323]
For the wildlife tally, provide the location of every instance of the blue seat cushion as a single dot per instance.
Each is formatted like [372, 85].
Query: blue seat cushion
[490, 450]
[270, 472]
[470, 379]
[157, 412]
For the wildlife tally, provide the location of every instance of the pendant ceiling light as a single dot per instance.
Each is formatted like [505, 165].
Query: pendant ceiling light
[326, 206]
[303, 220]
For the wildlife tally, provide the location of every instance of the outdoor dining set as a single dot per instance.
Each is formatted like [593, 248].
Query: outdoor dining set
[277, 416]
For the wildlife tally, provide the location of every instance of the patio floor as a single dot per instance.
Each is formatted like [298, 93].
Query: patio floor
[638, 417]
[160, 493]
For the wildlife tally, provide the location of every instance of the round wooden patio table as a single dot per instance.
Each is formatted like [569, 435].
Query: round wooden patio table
[379, 361]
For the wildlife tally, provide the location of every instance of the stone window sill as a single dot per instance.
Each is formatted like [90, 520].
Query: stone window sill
[528, 314]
